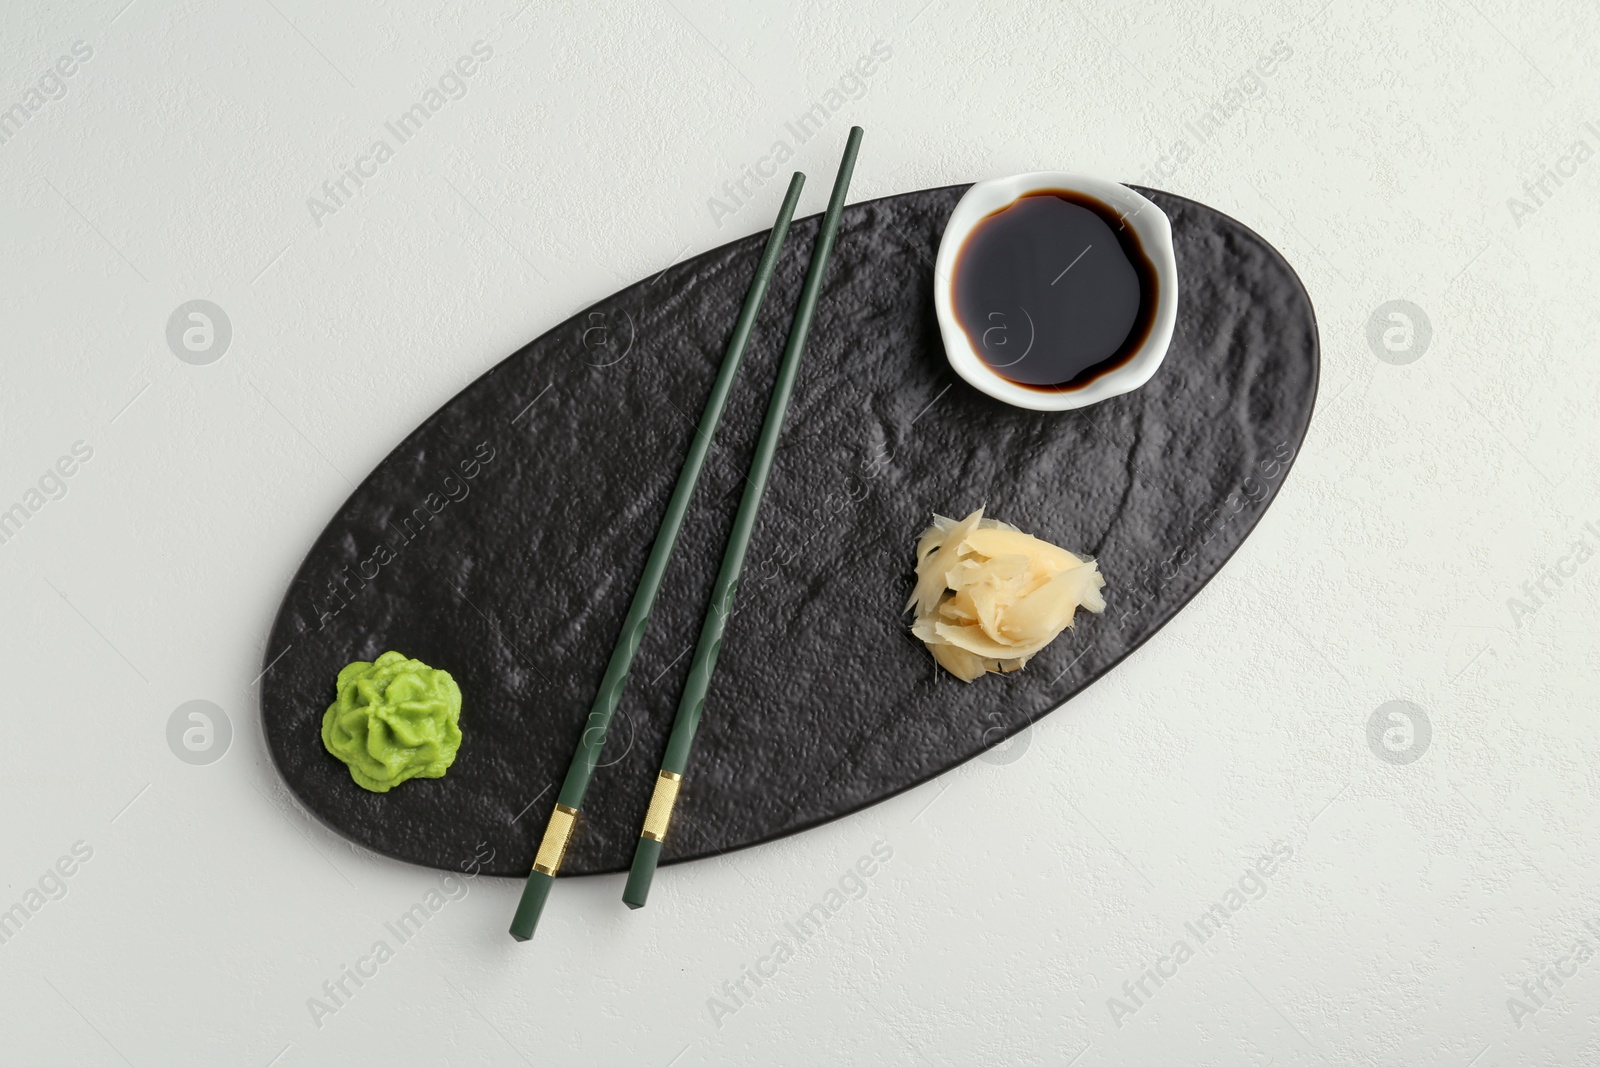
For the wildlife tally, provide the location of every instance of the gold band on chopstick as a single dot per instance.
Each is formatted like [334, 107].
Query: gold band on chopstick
[661, 802]
[554, 845]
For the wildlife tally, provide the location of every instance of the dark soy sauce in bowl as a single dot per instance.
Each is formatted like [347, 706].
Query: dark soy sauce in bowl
[1053, 290]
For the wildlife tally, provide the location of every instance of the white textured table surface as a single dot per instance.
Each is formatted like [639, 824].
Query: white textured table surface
[1433, 899]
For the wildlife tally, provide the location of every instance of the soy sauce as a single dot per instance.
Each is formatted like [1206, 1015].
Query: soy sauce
[1054, 291]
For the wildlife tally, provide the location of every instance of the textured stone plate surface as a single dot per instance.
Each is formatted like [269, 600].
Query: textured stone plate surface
[502, 540]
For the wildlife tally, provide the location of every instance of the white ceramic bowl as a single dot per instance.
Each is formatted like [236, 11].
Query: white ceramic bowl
[1150, 226]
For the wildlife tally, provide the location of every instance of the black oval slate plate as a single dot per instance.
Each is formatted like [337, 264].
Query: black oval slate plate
[501, 541]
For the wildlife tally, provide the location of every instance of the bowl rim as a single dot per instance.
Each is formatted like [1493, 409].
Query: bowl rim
[1149, 224]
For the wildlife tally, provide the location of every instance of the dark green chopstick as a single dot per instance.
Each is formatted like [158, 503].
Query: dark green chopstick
[557, 832]
[647, 852]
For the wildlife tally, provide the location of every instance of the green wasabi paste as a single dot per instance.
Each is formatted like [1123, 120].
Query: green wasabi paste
[394, 718]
